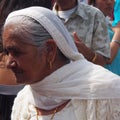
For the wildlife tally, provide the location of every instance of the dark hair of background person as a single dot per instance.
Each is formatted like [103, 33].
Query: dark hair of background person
[7, 6]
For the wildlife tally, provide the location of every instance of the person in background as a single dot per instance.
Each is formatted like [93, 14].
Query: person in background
[90, 26]
[107, 6]
[116, 13]
[60, 83]
[8, 93]
[116, 20]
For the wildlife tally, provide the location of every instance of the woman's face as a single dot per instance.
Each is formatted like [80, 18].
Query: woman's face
[106, 6]
[26, 61]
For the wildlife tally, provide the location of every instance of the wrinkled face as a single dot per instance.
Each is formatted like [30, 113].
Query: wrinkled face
[25, 60]
[106, 6]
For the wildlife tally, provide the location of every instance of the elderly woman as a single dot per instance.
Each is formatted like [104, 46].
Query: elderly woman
[60, 83]
[8, 93]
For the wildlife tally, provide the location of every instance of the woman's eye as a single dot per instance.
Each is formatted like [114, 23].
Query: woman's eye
[5, 51]
[12, 52]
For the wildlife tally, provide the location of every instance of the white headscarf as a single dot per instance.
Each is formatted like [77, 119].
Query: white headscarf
[54, 26]
[78, 80]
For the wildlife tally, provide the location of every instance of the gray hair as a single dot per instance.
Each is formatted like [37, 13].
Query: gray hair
[30, 31]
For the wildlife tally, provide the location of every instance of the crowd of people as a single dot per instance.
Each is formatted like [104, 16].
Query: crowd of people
[59, 60]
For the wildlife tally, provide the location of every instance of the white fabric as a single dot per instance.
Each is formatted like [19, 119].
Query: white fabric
[90, 86]
[77, 110]
[78, 80]
[66, 14]
[73, 82]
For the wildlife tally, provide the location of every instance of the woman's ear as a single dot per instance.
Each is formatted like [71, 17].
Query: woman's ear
[51, 50]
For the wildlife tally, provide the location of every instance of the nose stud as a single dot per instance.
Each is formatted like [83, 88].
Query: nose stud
[10, 63]
[13, 63]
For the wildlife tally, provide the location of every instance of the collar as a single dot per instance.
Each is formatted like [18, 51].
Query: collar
[81, 10]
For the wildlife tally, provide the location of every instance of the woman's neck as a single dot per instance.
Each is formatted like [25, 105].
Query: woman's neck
[55, 110]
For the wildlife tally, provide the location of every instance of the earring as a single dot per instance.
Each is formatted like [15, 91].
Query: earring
[50, 65]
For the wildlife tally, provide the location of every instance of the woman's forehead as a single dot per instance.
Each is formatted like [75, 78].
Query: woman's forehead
[12, 33]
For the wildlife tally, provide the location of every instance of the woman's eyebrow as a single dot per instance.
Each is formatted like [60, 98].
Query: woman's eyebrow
[11, 48]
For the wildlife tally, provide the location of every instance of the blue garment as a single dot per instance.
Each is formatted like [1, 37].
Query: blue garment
[116, 13]
[115, 65]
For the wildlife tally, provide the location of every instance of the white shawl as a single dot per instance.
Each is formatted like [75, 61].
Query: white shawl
[77, 80]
